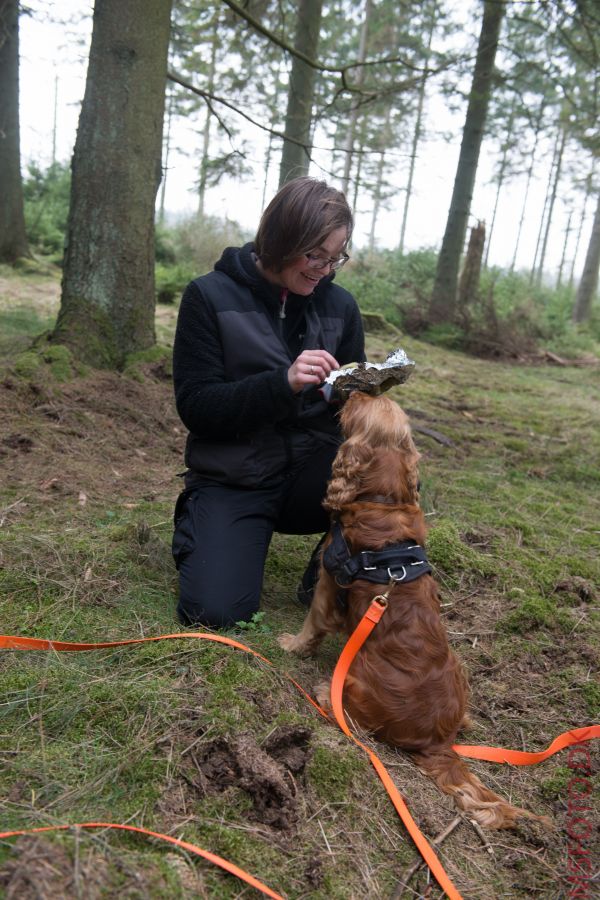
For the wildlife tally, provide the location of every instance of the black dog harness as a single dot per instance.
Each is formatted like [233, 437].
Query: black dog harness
[402, 562]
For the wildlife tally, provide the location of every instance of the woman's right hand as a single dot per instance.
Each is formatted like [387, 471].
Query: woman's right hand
[311, 367]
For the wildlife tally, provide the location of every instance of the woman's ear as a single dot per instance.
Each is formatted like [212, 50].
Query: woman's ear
[346, 482]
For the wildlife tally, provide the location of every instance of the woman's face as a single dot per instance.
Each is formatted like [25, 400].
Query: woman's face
[299, 277]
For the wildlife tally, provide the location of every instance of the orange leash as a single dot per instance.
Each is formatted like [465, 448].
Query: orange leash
[185, 845]
[14, 642]
[493, 754]
[355, 642]
[522, 757]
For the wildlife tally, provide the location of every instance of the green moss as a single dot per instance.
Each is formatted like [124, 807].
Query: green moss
[555, 786]
[332, 773]
[27, 365]
[157, 357]
[456, 559]
[47, 362]
[591, 693]
[534, 612]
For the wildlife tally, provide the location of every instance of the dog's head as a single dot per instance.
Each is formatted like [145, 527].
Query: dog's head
[378, 455]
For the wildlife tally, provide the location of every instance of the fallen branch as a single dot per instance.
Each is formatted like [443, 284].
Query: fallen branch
[440, 438]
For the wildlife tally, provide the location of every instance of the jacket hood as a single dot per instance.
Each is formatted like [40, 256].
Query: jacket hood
[239, 264]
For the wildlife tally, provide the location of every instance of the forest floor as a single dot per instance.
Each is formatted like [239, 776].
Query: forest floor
[212, 745]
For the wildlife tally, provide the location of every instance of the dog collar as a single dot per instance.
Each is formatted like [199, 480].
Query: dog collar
[401, 562]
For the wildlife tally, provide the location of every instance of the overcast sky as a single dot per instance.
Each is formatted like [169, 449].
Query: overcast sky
[53, 65]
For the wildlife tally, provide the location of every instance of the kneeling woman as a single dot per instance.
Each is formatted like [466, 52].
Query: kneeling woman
[255, 338]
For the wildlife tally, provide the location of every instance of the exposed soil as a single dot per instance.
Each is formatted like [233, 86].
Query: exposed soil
[88, 439]
[268, 775]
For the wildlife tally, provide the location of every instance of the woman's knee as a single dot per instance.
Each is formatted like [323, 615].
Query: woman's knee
[213, 611]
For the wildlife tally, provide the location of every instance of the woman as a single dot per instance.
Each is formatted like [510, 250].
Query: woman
[255, 338]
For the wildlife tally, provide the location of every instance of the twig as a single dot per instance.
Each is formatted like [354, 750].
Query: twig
[440, 438]
[481, 834]
[325, 838]
[436, 841]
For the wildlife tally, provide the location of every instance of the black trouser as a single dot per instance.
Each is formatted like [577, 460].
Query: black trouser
[222, 535]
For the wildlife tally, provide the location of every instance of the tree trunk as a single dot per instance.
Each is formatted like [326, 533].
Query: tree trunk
[589, 276]
[107, 303]
[527, 185]
[416, 134]
[468, 286]
[501, 173]
[351, 133]
[13, 239]
[588, 193]
[204, 160]
[563, 257]
[166, 154]
[295, 158]
[443, 299]
[557, 174]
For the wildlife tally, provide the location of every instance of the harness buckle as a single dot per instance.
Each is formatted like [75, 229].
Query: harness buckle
[395, 577]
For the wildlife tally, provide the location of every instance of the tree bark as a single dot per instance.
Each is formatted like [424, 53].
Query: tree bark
[107, 303]
[295, 157]
[589, 276]
[417, 133]
[588, 193]
[538, 127]
[443, 299]
[205, 159]
[552, 200]
[501, 173]
[468, 285]
[353, 119]
[13, 238]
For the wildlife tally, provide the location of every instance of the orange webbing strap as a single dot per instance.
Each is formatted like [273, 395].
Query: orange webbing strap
[355, 642]
[492, 754]
[14, 642]
[522, 757]
[185, 845]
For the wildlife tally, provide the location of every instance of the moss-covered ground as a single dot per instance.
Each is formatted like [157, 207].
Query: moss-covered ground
[211, 744]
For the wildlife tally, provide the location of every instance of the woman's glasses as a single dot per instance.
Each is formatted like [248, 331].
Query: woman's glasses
[319, 262]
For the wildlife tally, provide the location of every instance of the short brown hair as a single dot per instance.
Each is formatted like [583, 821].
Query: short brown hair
[298, 219]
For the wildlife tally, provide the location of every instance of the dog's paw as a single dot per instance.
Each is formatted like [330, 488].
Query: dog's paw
[288, 642]
[322, 694]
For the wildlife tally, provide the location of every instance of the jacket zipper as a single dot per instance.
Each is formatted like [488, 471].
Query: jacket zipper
[282, 302]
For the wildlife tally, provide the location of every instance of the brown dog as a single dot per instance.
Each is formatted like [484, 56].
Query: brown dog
[405, 686]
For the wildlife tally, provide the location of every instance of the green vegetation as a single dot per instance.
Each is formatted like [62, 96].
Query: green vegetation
[46, 196]
[510, 317]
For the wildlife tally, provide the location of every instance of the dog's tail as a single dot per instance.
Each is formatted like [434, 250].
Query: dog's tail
[453, 777]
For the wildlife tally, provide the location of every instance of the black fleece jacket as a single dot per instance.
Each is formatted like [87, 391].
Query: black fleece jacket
[216, 409]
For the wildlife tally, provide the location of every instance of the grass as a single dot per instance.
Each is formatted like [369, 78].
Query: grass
[149, 733]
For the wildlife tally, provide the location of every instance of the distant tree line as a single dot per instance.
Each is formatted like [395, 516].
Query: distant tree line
[340, 87]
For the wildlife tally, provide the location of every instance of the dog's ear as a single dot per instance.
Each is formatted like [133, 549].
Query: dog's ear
[345, 483]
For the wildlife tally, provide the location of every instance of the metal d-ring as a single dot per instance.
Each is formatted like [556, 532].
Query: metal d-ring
[395, 577]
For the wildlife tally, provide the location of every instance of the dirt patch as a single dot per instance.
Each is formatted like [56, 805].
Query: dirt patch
[268, 775]
[263, 773]
[106, 436]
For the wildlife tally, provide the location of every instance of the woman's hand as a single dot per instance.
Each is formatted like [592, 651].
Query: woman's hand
[311, 367]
